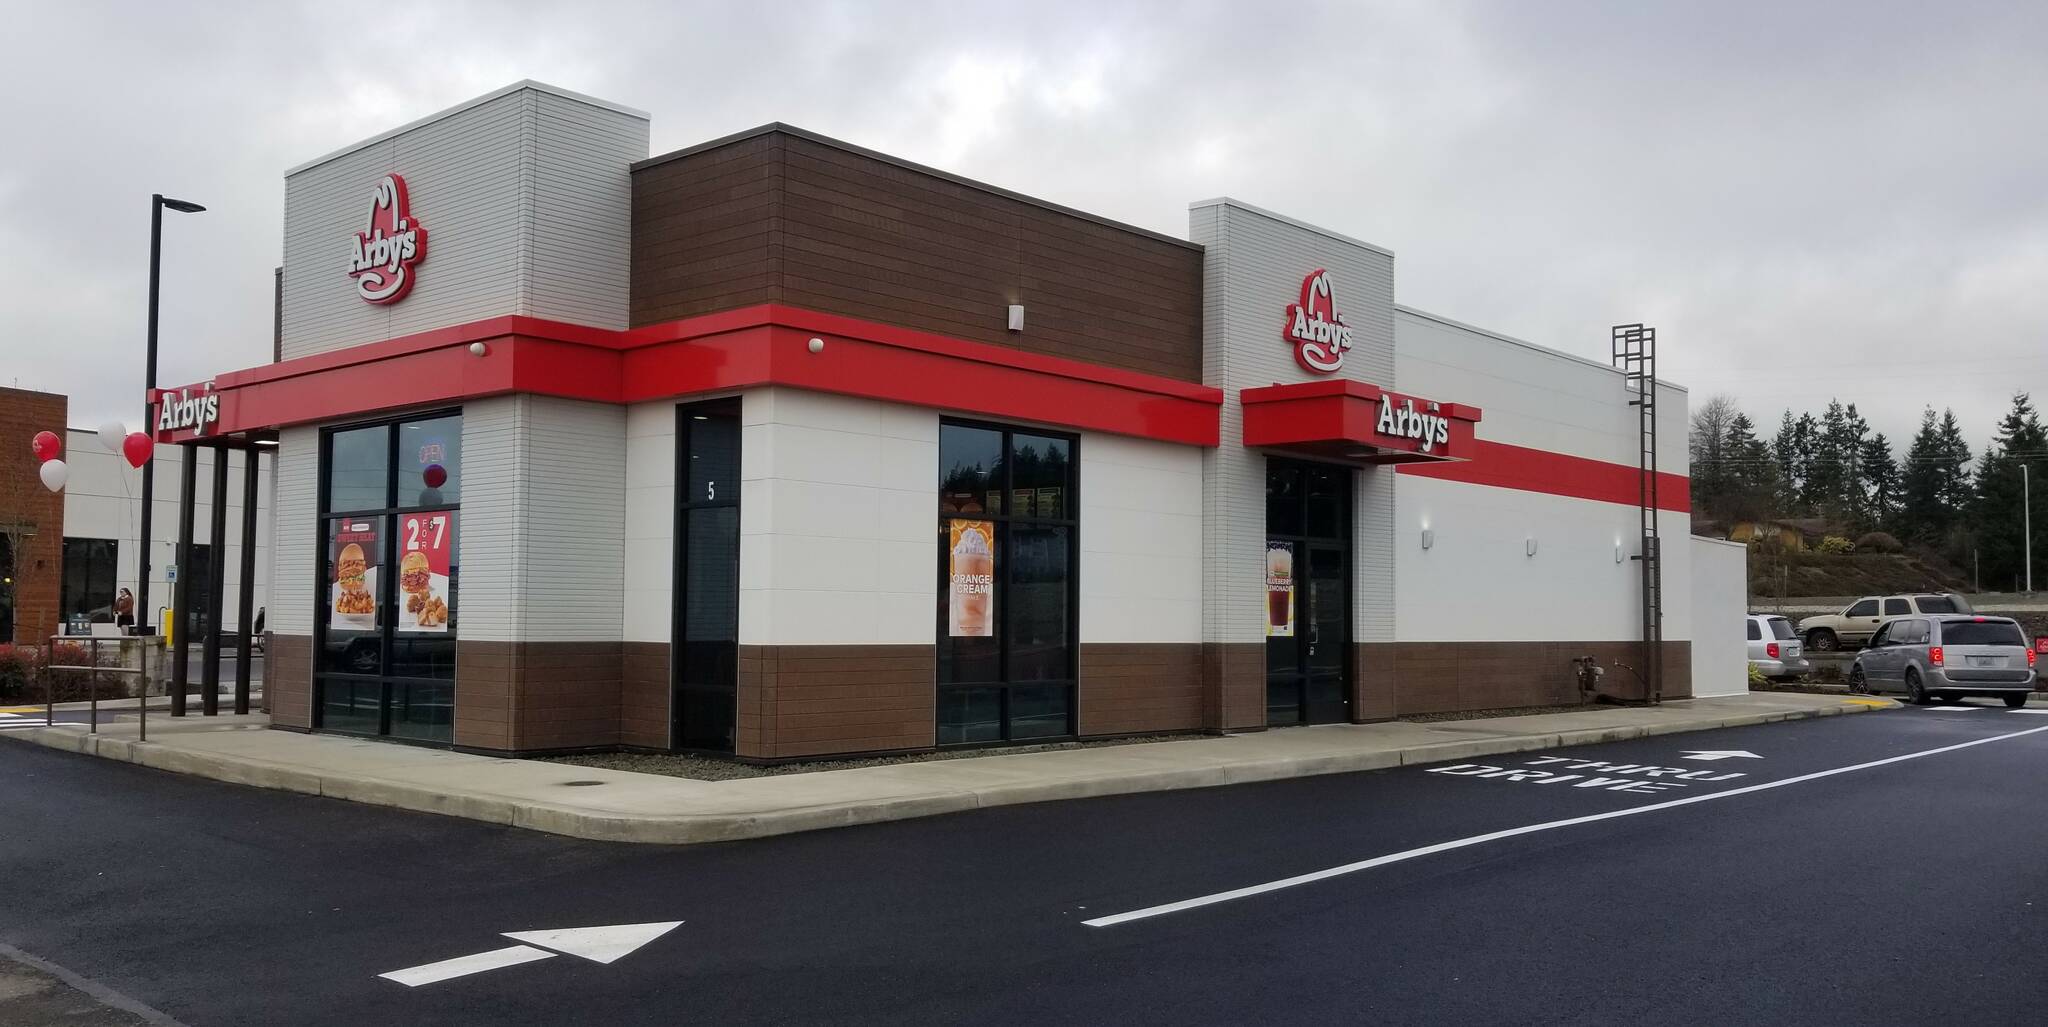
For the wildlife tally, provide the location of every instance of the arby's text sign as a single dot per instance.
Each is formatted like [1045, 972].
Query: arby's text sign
[187, 411]
[1319, 334]
[384, 257]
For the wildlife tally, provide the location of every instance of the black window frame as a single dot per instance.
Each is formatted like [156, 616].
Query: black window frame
[1756, 634]
[1905, 607]
[1875, 605]
[680, 592]
[386, 517]
[1003, 519]
[111, 558]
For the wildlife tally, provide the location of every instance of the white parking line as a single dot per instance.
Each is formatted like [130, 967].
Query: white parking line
[2028, 709]
[1480, 839]
[1958, 708]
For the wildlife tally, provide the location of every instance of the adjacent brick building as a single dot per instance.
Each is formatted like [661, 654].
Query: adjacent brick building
[31, 517]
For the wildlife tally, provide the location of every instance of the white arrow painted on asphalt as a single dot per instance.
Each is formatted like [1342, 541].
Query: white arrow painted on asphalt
[1720, 754]
[597, 944]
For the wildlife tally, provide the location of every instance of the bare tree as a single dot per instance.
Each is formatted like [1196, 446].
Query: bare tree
[1707, 446]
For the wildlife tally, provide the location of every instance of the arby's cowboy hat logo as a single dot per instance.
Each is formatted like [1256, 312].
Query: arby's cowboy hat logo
[392, 244]
[1319, 334]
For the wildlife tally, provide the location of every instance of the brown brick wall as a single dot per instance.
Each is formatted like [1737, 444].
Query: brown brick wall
[644, 695]
[39, 566]
[814, 700]
[288, 680]
[785, 217]
[537, 696]
[1441, 677]
[1131, 688]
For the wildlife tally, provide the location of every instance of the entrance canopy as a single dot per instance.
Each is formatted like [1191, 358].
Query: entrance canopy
[1356, 422]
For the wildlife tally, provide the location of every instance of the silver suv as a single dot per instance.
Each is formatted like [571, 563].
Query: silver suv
[1774, 649]
[1947, 658]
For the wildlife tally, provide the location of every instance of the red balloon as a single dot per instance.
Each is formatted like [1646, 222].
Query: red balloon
[46, 446]
[138, 448]
[435, 476]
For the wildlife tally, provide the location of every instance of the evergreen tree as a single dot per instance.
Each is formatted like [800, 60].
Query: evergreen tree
[1794, 449]
[1923, 518]
[1881, 473]
[1958, 491]
[1752, 472]
[2021, 440]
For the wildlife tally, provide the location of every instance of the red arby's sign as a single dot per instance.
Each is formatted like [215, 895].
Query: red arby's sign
[1318, 333]
[387, 252]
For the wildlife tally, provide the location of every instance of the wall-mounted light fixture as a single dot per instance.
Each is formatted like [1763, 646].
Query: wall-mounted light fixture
[1529, 545]
[816, 345]
[477, 349]
[1617, 550]
[1428, 538]
[1016, 317]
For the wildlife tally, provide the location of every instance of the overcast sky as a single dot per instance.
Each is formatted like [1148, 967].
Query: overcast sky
[1807, 199]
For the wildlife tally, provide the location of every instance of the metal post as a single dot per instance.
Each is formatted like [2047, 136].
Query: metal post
[2027, 525]
[156, 234]
[245, 649]
[92, 686]
[142, 695]
[181, 593]
[49, 684]
[216, 584]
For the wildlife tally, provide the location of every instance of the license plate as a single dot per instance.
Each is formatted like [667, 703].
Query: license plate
[1986, 661]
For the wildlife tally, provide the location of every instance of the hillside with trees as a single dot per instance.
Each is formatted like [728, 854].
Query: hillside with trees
[1941, 502]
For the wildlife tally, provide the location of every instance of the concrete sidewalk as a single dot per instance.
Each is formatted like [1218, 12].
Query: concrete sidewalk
[611, 805]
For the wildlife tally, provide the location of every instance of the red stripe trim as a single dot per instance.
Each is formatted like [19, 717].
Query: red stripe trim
[754, 346]
[1557, 474]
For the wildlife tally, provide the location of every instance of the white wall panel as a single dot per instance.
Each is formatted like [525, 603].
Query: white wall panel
[650, 517]
[1141, 540]
[1720, 597]
[838, 520]
[574, 521]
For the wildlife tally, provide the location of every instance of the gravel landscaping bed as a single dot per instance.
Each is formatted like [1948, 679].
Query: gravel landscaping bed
[704, 768]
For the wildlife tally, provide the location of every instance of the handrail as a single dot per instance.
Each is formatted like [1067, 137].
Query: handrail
[93, 687]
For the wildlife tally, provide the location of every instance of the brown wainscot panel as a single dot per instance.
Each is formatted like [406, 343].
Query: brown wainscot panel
[644, 695]
[1134, 688]
[816, 700]
[779, 215]
[1233, 686]
[525, 697]
[1443, 677]
[288, 680]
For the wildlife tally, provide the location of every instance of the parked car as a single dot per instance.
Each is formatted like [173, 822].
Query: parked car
[1774, 648]
[1859, 620]
[1946, 658]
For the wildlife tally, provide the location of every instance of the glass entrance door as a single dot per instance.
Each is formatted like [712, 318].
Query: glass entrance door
[1308, 593]
[707, 606]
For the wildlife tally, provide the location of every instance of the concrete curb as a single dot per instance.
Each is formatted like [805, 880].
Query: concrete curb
[688, 829]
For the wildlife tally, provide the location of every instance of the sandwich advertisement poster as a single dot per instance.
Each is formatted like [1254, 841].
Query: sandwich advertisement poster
[352, 548]
[425, 542]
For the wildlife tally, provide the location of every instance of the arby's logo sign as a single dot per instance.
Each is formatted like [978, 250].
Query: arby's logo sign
[386, 253]
[185, 410]
[1318, 333]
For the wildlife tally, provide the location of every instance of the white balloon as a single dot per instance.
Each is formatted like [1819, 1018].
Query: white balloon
[112, 434]
[54, 473]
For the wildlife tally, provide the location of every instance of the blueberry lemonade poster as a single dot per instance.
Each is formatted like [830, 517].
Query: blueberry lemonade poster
[352, 549]
[425, 542]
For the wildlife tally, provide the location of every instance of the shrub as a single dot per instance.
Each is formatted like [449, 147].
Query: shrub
[1836, 545]
[17, 671]
[23, 681]
[1757, 681]
[1880, 542]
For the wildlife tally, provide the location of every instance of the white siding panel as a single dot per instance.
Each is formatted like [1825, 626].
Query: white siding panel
[650, 514]
[574, 523]
[526, 200]
[296, 532]
[1253, 268]
[492, 486]
[1141, 540]
[1720, 597]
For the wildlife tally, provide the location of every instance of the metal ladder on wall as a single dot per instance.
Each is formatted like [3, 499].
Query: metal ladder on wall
[1634, 348]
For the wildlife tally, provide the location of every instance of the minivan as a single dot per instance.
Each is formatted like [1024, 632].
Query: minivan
[1946, 658]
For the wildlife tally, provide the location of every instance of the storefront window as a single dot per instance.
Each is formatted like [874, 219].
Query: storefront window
[1006, 659]
[89, 580]
[390, 574]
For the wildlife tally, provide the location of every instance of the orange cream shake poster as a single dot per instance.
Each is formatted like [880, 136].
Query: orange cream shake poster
[971, 574]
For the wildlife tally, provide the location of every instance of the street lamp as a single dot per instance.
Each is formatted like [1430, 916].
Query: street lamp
[157, 203]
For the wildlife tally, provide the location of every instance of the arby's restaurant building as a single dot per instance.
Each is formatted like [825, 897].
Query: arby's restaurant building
[779, 447]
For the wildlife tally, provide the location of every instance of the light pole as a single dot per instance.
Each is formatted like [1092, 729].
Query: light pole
[157, 203]
[2027, 526]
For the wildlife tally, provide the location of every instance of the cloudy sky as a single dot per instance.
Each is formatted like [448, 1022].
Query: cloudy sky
[1807, 199]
